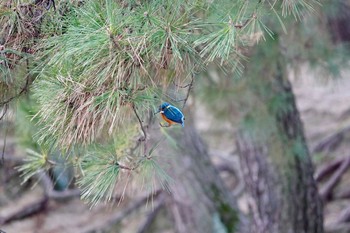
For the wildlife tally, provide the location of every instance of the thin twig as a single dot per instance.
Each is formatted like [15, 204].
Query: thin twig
[51, 2]
[4, 111]
[141, 125]
[326, 190]
[4, 147]
[188, 91]
[125, 167]
[328, 168]
[179, 86]
[240, 25]
[331, 142]
[23, 90]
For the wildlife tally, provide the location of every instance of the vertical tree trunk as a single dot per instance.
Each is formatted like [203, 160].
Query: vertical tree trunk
[276, 164]
[199, 201]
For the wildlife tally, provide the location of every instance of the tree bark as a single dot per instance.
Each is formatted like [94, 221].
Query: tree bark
[199, 201]
[277, 167]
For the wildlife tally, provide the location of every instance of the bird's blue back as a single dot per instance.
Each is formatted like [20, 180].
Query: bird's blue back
[174, 114]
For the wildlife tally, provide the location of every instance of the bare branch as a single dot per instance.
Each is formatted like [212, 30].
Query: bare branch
[4, 111]
[125, 167]
[180, 86]
[140, 122]
[188, 91]
[328, 168]
[331, 141]
[326, 190]
[39, 204]
[242, 25]
[23, 90]
[4, 148]
[26, 210]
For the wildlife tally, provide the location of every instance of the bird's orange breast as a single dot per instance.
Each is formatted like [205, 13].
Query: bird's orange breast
[167, 120]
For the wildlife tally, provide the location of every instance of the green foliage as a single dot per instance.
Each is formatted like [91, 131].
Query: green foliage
[297, 7]
[83, 114]
[100, 172]
[16, 35]
[26, 124]
[111, 56]
[8, 61]
[153, 175]
[34, 164]
[17, 22]
[101, 166]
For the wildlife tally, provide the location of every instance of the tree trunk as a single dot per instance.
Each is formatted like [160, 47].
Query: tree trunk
[277, 167]
[199, 201]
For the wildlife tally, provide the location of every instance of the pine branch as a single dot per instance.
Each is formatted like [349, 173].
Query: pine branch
[326, 190]
[23, 90]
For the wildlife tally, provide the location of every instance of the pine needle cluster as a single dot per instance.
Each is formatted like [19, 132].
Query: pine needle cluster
[112, 53]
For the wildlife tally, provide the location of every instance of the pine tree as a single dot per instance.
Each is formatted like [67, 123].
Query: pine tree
[101, 68]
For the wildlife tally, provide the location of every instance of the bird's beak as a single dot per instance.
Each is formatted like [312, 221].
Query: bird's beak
[159, 111]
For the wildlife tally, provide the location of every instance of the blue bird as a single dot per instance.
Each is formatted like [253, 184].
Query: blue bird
[171, 114]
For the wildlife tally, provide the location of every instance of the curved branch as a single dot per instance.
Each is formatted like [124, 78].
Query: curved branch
[331, 142]
[328, 168]
[140, 122]
[188, 91]
[23, 90]
[326, 190]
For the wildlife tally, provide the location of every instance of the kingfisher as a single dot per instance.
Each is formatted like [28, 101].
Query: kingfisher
[171, 114]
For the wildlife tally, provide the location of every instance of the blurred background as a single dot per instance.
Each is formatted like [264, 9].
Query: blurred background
[265, 147]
